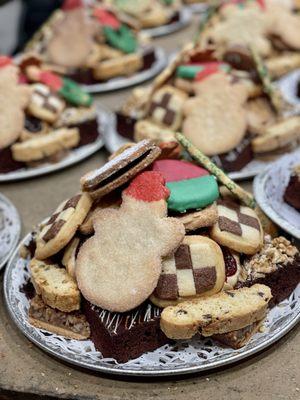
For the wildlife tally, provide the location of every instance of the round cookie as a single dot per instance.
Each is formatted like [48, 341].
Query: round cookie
[177, 170]
[237, 227]
[196, 269]
[60, 228]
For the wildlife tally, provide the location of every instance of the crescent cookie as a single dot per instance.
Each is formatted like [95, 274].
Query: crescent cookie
[237, 227]
[60, 228]
[196, 269]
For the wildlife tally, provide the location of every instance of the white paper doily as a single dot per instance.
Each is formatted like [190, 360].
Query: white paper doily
[10, 229]
[183, 357]
[269, 188]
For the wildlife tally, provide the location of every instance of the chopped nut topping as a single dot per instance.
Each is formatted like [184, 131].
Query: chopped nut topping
[274, 254]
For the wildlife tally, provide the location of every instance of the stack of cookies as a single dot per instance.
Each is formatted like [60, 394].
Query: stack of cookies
[151, 250]
[218, 93]
[91, 44]
[43, 115]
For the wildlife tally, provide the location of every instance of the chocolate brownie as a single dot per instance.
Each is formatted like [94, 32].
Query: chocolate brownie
[88, 131]
[125, 336]
[125, 125]
[7, 163]
[292, 191]
[236, 159]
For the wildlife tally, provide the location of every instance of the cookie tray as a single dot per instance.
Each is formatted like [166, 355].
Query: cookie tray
[10, 229]
[127, 81]
[184, 357]
[105, 118]
[269, 188]
[185, 17]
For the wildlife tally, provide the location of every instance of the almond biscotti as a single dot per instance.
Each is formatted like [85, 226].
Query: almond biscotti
[223, 312]
[56, 287]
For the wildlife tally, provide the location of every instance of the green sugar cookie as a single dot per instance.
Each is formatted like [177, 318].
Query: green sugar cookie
[192, 193]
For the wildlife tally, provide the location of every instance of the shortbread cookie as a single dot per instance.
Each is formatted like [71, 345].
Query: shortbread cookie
[13, 100]
[237, 227]
[120, 170]
[71, 42]
[59, 229]
[128, 246]
[112, 200]
[70, 325]
[56, 287]
[33, 127]
[156, 15]
[144, 129]
[165, 107]
[282, 64]
[260, 115]
[221, 313]
[69, 257]
[193, 220]
[45, 104]
[278, 135]
[122, 66]
[41, 147]
[215, 120]
[196, 269]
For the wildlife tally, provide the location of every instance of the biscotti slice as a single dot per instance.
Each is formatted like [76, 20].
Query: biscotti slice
[223, 312]
[71, 325]
[56, 287]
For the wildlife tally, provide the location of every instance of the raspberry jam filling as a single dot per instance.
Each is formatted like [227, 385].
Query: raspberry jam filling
[230, 263]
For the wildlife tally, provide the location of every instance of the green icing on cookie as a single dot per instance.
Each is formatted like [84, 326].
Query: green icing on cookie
[73, 93]
[122, 38]
[192, 193]
[188, 71]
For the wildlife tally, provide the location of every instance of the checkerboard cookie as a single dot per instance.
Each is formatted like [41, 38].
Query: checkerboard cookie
[199, 219]
[120, 169]
[196, 269]
[45, 104]
[237, 227]
[165, 107]
[60, 228]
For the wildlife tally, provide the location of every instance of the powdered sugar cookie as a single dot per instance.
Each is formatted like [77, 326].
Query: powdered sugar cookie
[118, 268]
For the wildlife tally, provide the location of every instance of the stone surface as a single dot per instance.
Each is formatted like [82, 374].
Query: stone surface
[28, 373]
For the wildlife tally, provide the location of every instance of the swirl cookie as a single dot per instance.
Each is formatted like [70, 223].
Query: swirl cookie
[60, 228]
[120, 170]
[196, 269]
[237, 227]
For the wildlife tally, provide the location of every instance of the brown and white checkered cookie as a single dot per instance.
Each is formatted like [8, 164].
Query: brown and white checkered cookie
[237, 227]
[196, 269]
[165, 107]
[60, 228]
[200, 218]
[45, 104]
[120, 170]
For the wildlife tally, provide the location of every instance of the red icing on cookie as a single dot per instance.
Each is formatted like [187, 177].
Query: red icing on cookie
[71, 4]
[177, 170]
[209, 69]
[4, 61]
[22, 78]
[106, 18]
[50, 79]
[148, 186]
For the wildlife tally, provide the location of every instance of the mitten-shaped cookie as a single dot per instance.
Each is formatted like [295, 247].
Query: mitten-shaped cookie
[119, 267]
[216, 119]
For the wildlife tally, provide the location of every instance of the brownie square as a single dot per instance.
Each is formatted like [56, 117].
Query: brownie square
[125, 336]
